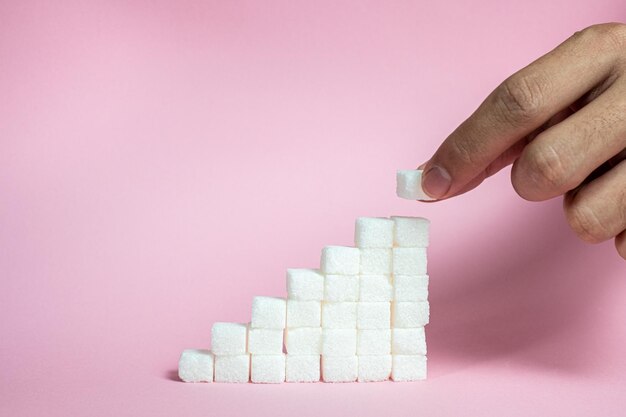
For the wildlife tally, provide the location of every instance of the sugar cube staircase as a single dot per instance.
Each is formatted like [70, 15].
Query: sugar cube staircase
[360, 317]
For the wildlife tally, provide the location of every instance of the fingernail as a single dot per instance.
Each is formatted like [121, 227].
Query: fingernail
[436, 181]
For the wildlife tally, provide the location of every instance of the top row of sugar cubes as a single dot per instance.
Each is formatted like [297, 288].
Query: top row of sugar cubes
[404, 232]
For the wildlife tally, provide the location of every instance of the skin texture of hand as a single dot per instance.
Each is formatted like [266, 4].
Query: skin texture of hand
[561, 122]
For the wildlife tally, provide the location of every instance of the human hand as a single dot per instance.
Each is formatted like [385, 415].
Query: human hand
[561, 122]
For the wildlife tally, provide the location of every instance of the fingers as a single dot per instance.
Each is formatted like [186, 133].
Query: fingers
[560, 158]
[597, 211]
[521, 104]
[620, 244]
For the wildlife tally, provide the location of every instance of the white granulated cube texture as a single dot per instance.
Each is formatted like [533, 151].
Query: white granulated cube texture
[376, 261]
[196, 365]
[265, 341]
[374, 368]
[373, 232]
[340, 368]
[339, 315]
[303, 340]
[411, 232]
[406, 314]
[303, 368]
[341, 288]
[408, 341]
[409, 261]
[409, 185]
[268, 313]
[373, 315]
[340, 260]
[305, 284]
[375, 288]
[267, 369]
[232, 368]
[408, 368]
[410, 287]
[304, 313]
[374, 342]
[339, 342]
[229, 338]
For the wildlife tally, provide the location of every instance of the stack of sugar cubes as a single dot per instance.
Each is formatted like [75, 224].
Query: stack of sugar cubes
[360, 317]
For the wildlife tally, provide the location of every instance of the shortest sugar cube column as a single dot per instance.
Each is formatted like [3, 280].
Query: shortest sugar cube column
[340, 368]
[267, 369]
[302, 368]
[408, 368]
[232, 368]
[374, 368]
[409, 185]
[268, 313]
[196, 365]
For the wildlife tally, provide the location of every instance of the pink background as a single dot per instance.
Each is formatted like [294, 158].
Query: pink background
[163, 162]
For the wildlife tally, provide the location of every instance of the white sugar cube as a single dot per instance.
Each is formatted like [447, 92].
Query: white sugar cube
[373, 232]
[408, 367]
[339, 342]
[196, 365]
[374, 368]
[339, 315]
[373, 315]
[376, 261]
[232, 368]
[406, 314]
[303, 368]
[304, 313]
[265, 341]
[267, 369]
[411, 232]
[305, 284]
[375, 288]
[411, 341]
[341, 288]
[304, 340]
[340, 260]
[340, 368]
[374, 342]
[410, 287]
[229, 338]
[409, 261]
[409, 185]
[268, 313]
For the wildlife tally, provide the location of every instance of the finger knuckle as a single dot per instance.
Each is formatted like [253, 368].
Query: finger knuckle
[586, 222]
[607, 36]
[465, 150]
[520, 98]
[548, 169]
[620, 244]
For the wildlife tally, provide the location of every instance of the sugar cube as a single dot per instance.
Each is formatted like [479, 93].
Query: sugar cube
[265, 341]
[373, 315]
[303, 368]
[376, 261]
[411, 341]
[408, 367]
[339, 315]
[374, 342]
[196, 365]
[374, 368]
[411, 232]
[409, 185]
[305, 284]
[409, 261]
[339, 342]
[373, 232]
[304, 340]
[410, 314]
[229, 338]
[268, 313]
[410, 287]
[375, 288]
[232, 368]
[340, 368]
[340, 260]
[341, 288]
[304, 313]
[267, 369]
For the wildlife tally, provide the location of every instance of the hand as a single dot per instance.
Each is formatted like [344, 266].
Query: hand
[561, 122]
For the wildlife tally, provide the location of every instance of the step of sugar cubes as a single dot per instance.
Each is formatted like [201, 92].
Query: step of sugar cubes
[196, 365]
[410, 232]
[305, 284]
[268, 313]
[267, 369]
[373, 232]
[409, 185]
[232, 368]
[229, 338]
[302, 368]
[340, 260]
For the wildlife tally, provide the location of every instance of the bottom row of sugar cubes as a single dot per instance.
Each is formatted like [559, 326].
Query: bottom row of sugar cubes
[198, 365]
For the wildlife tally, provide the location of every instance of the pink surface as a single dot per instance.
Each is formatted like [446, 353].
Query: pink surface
[163, 162]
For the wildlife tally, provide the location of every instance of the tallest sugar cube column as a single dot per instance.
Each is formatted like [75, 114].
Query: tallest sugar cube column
[410, 307]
